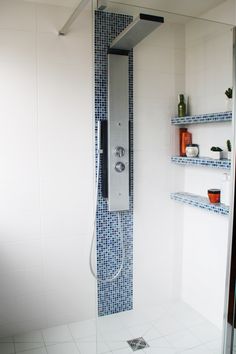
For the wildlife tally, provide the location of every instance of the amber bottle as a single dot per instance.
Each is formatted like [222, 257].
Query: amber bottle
[185, 138]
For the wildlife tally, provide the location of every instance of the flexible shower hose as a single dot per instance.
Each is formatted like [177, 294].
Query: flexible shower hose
[120, 231]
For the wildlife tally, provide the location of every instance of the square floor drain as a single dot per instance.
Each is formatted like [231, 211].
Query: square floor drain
[137, 344]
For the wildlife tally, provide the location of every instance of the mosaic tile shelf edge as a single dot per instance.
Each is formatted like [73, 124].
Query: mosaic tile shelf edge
[203, 118]
[202, 161]
[199, 202]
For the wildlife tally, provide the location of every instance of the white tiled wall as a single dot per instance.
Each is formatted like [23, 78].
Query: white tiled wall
[179, 251]
[46, 164]
[158, 78]
[208, 75]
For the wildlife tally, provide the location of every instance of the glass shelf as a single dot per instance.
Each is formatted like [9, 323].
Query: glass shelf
[200, 202]
[202, 161]
[203, 118]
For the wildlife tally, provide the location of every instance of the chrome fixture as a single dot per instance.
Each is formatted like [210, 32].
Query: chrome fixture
[65, 29]
[102, 5]
[118, 108]
[140, 28]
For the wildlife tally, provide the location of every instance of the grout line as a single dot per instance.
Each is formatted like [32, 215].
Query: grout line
[14, 345]
[74, 341]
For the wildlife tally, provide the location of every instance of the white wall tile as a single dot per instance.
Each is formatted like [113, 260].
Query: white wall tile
[158, 75]
[7, 348]
[51, 18]
[46, 162]
[208, 75]
[17, 45]
[27, 281]
[17, 15]
[21, 255]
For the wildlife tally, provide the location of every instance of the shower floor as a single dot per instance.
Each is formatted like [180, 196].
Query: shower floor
[173, 328]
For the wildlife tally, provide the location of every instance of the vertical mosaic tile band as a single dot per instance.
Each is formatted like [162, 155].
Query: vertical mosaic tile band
[115, 296]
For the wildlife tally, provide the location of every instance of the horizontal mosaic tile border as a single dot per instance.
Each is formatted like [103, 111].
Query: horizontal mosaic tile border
[203, 118]
[202, 161]
[200, 202]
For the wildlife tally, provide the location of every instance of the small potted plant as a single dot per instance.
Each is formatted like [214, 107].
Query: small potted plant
[229, 148]
[228, 102]
[216, 152]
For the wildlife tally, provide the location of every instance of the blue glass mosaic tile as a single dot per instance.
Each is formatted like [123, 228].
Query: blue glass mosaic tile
[117, 295]
[202, 161]
[203, 118]
[200, 202]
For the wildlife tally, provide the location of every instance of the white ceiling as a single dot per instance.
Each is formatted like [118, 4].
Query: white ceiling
[185, 7]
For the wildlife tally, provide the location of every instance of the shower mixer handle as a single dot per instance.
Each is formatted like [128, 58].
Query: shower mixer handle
[120, 167]
[119, 151]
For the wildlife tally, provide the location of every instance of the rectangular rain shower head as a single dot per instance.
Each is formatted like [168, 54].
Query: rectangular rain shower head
[140, 28]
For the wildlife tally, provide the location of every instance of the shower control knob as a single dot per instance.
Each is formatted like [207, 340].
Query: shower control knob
[120, 167]
[119, 151]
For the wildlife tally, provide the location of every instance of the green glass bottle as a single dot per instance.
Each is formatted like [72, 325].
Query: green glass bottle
[181, 106]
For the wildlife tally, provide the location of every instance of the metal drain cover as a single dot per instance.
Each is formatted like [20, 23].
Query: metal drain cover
[137, 343]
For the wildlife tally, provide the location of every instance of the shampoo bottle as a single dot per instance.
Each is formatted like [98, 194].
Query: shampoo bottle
[185, 138]
[181, 106]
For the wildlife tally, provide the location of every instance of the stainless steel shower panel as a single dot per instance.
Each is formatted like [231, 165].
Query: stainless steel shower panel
[139, 29]
[118, 132]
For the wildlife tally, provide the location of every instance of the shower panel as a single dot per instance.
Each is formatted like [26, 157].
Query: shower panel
[118, 132]
[118, 108]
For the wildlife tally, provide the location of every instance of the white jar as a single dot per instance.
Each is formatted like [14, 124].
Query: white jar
[192, 150]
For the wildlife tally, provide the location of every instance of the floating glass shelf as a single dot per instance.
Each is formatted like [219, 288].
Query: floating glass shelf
[202, 161]
[200, 202]
[203, 118]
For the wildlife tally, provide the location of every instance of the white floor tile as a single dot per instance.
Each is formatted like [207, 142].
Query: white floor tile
[30, 337]
[83, 329]
[126, 351]
[35, 351]
[159, 351]
[173, 328]
[159, 343]
[63, 348]
[215, 345]
[7, 348]
[117, 340]
[20, 347]
[183, 340]
[154, 313]
[147, 331]
[189, 318]
[89, 345]
[57, 334]
[197, 350]
[110, 323]
[28, 341]
[168, 325]
[206, 332]
[132, 318]
[159, 346]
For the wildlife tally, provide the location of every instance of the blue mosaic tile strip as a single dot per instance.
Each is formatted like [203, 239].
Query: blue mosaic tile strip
[203, 118]
[202, 161]
[115, 296]
[200, 202]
